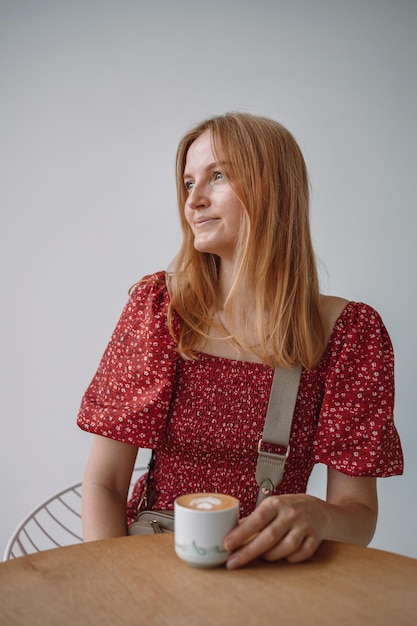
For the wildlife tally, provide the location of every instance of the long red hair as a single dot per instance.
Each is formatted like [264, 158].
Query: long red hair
[275, 261]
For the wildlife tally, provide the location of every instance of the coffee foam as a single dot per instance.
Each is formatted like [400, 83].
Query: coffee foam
[207, 501]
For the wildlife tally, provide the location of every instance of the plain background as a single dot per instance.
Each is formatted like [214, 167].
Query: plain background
[95, 96]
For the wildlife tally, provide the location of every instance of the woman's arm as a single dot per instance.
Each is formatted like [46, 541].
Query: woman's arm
[105, 488]
[352, 507]
[292, 526]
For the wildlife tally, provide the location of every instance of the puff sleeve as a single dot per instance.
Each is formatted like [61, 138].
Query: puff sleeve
[355, 432]
[129, 396]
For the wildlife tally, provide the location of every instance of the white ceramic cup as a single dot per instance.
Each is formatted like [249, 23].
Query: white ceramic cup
[202, 521]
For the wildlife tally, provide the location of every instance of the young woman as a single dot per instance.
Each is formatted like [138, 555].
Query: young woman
[188, 370]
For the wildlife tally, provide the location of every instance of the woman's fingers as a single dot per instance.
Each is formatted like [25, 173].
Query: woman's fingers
[306, 551]
[250, 526]
[293, 549]
[255, 535]
[281, 527]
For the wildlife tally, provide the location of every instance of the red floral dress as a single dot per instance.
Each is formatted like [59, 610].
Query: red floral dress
[205, 417]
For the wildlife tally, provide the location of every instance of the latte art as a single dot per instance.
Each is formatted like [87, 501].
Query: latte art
[207, 501]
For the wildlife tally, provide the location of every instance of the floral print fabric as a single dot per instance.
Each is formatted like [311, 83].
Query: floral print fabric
[205, 417]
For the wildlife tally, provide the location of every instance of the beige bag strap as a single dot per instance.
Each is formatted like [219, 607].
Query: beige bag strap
[277, 428]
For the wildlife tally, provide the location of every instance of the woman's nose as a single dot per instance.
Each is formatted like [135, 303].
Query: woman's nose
[198, 197]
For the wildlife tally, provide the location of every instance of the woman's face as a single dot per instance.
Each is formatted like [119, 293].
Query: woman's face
[212, 208]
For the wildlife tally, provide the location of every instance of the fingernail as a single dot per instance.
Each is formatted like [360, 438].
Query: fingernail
[232, 562]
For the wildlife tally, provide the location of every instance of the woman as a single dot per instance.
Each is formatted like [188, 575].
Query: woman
[189, 367]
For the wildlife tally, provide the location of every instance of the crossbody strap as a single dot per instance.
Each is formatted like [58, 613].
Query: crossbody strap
[277, 427]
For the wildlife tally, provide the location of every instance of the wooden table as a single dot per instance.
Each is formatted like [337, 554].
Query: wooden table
[139, 580]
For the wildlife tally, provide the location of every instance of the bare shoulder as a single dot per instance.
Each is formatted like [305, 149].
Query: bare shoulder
[331, 308]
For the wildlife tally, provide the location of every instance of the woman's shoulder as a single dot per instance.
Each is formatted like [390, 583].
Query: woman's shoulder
[150, 287]
[150, 300]
[148, 297]
[150, 282]
[346, 319]
[331, 309]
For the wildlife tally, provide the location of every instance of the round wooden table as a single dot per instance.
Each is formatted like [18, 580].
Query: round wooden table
[139, 580]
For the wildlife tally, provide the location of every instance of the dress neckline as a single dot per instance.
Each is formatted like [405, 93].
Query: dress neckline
[257, 365]
[235, 362]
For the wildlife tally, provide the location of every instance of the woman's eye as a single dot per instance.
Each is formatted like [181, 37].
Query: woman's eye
[218, 176]
[188, 184]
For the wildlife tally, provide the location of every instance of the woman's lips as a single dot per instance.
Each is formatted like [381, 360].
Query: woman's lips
[204, 220]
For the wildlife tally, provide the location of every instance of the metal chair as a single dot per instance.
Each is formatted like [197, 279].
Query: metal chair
[54, 523]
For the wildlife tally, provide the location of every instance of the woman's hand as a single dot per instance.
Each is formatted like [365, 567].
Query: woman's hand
[282, 527]
[292, 526]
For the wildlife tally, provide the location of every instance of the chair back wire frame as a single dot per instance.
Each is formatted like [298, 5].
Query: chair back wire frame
[54, 523]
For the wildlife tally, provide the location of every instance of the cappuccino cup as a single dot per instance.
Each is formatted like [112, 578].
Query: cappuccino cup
[202, 521]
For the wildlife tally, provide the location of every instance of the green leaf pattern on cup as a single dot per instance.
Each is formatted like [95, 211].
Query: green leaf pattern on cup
[195, 549]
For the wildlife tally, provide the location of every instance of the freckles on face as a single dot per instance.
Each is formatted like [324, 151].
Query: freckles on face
[212, 209]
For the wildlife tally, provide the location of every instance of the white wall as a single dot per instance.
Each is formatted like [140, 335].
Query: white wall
[94, 97]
